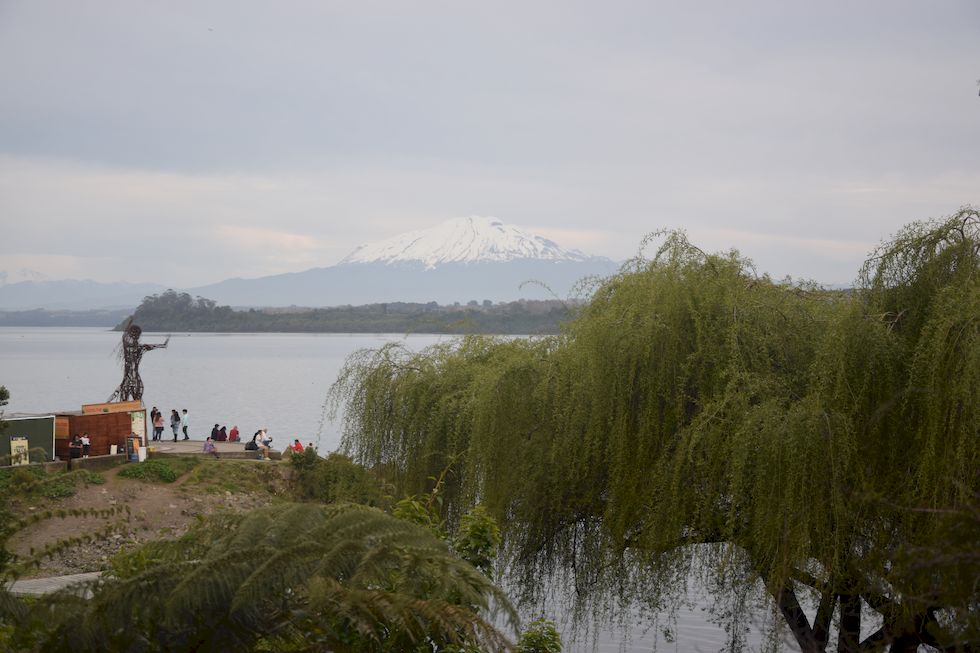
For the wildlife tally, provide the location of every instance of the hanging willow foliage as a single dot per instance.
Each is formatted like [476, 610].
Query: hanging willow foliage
[814, 435]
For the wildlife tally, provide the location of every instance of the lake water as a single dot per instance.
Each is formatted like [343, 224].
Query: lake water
[278, 381]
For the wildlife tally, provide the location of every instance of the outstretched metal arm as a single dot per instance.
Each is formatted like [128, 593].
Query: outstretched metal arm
[131, 352]
[162, 345]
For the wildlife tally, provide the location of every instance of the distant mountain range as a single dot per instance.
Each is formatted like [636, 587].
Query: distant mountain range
[471, 258]
[74, 295]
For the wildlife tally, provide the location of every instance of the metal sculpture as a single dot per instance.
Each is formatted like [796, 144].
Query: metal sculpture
[131, 352]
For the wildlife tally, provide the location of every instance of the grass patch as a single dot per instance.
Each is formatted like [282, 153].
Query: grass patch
[34, 481]
[237, 476]
[19, 480]
[57, 486]
[159, 470]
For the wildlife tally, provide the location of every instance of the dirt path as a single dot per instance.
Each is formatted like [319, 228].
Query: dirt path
[156, 510]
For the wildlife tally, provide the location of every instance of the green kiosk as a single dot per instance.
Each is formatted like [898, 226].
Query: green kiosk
[24, 433]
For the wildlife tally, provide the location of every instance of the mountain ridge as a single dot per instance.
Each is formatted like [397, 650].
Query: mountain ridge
[458, 260]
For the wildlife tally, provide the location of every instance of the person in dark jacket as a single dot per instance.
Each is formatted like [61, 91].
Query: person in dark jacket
[214, 433]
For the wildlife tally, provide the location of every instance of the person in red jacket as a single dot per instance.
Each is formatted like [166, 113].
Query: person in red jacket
[233, 434]
[297, 447]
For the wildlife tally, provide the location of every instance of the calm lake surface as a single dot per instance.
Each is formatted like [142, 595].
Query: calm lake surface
[278, 381]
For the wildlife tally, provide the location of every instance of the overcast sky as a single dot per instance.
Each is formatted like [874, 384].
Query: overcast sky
[188, 142]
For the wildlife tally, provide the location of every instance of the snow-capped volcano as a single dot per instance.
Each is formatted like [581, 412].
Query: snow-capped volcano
[472, 239]
[460, 260]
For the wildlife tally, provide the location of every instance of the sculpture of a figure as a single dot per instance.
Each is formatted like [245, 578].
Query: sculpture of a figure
[131, 353]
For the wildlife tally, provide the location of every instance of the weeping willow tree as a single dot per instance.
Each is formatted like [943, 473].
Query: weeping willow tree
[809, 441]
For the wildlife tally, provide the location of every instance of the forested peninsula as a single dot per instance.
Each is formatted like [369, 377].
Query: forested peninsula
[173, 311]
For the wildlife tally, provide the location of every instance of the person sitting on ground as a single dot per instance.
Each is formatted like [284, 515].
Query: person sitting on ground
[209, 448]
[297, 447]
[222, 434]
[233, 434]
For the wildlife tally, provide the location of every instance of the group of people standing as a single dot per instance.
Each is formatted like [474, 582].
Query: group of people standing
[178, 423]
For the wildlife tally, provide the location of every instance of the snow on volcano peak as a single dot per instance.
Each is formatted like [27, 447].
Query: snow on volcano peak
[472, 239]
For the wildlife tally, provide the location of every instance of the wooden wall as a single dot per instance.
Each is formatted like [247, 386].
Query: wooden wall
[103, 430]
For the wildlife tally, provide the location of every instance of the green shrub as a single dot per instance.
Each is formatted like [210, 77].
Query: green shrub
[236, 476]
[541, 636]
[20, 480]
[55, 487]
[165, 470]
[478, 539]
[34, 481]
[332, 479]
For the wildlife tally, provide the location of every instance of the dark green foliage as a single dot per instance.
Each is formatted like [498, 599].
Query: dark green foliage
[540, 636]
[478, 539]
[172, 311]
[332, 479]
[945, 571]
[293, 577]
[24, 621]
[159, 470]
[421, 512]
[796, 435]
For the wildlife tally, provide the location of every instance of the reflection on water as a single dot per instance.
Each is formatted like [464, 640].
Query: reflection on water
[278, 381]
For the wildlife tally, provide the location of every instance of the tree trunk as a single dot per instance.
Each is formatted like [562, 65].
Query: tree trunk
[789, 606]
[849, 635]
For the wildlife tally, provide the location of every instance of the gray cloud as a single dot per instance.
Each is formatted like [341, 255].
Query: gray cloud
[799, 134]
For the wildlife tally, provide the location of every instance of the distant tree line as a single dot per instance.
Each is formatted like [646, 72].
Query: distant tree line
[173, 311]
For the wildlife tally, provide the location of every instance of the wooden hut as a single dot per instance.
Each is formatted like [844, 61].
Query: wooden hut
[106, 424]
